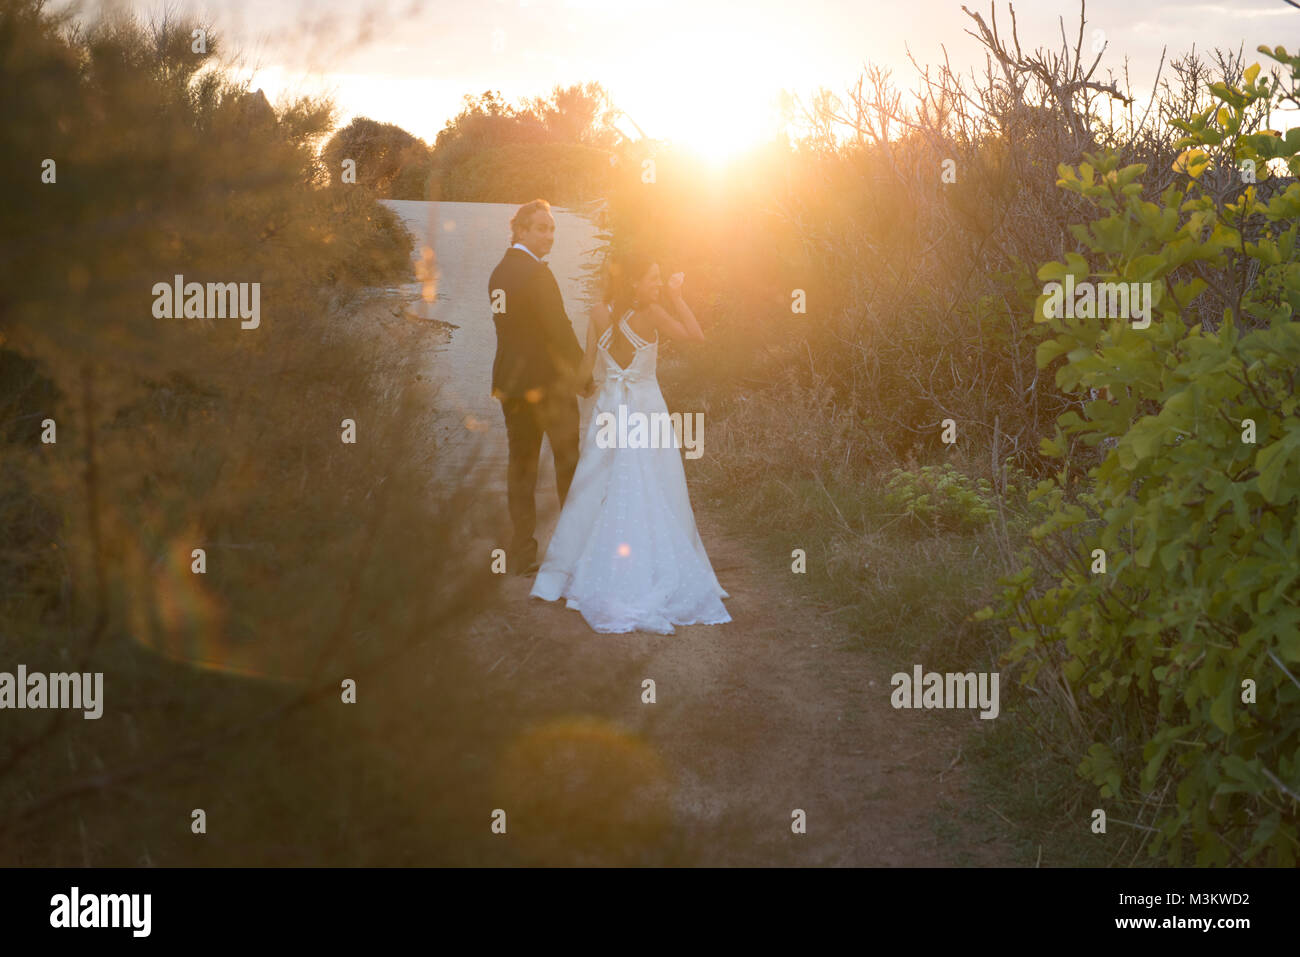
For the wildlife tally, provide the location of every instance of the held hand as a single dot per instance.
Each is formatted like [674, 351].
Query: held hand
[675, 285]
[583, 388]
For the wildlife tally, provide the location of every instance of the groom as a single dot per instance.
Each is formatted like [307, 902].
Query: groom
[534, 372]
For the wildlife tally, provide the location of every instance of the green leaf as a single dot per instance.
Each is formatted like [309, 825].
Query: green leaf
[1271, 461]
[1146, 268]
[1222, 708]
[1050, 349]
[1247, 772]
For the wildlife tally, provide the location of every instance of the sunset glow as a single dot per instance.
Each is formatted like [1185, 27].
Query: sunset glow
[356, 361]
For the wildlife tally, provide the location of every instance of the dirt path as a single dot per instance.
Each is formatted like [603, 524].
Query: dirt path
[751, 720]
[754, 719]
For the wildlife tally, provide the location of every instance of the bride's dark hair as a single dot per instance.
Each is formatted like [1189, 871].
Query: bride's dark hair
[622, 273]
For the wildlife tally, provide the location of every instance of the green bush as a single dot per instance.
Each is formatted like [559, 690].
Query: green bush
[941, 497]
[389, 160]
[1178, 655]
[177, 434]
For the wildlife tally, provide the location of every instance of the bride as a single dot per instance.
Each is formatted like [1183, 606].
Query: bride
[626, 553]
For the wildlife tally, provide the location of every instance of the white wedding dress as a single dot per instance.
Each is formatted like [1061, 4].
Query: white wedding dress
[626, 553]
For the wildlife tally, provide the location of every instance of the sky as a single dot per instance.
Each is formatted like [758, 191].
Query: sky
[708, 72]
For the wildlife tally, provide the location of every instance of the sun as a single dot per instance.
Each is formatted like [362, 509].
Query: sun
[719, 140]
[719, 111]
[719, 130]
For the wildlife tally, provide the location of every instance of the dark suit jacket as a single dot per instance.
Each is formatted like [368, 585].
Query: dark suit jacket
[536, 346]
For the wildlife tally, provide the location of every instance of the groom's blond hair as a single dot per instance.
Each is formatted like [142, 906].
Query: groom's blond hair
[524, 217]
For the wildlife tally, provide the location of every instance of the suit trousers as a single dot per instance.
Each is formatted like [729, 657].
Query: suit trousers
[555, 416]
